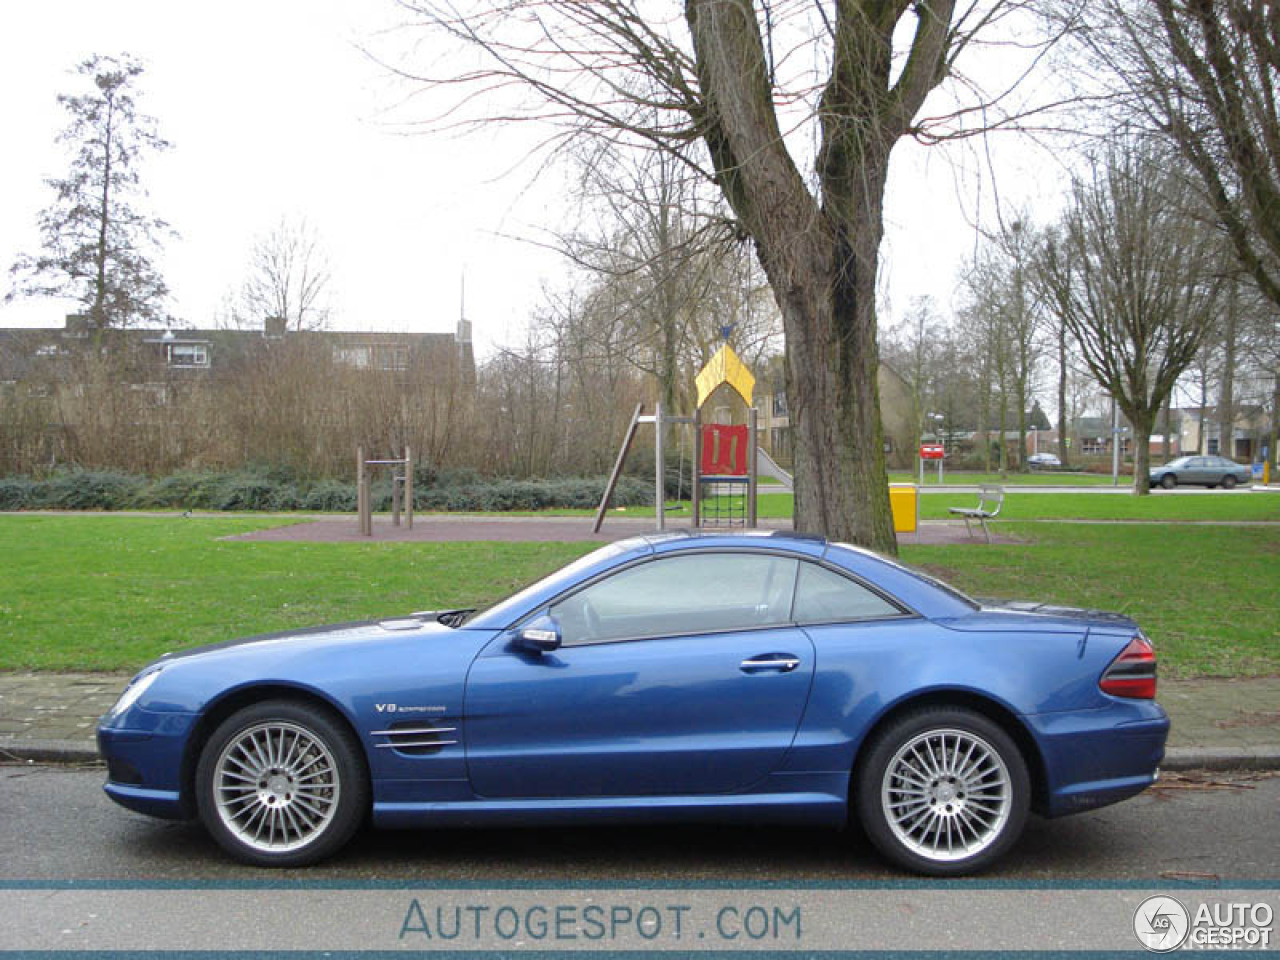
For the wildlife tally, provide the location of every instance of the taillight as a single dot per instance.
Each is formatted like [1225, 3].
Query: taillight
[1133, 672]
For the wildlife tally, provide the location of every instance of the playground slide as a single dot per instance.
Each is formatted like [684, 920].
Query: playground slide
[766, 466]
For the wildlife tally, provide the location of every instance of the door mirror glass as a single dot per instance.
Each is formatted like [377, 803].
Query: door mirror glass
[540, 636]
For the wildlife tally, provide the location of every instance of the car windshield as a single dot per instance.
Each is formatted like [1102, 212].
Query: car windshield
[564, 574]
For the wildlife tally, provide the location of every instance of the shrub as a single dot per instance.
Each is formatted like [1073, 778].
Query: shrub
[15, 493]
[247, 492]
[256, 489]
[87, 490]
[330, 495]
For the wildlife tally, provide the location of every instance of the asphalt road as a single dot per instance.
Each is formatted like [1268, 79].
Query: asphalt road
[58, 826]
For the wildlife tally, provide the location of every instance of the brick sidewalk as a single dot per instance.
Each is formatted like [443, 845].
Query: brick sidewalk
[1216, 723]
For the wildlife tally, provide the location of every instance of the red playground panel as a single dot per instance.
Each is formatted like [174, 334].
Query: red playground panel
[724, 450]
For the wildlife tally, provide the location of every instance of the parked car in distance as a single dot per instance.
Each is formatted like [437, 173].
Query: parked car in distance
[684, 676]
[1203, 471]
[1044, 460]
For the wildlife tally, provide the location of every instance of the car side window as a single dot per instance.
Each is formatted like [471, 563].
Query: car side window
[692, 593]
[823, 596]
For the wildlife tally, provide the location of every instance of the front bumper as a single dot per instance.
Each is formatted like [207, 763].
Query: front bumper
[1093, 758]
[144, 757]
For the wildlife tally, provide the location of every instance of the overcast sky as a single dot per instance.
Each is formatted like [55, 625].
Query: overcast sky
[274, 111]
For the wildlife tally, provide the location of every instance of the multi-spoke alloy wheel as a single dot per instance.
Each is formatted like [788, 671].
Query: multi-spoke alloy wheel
[942, 791]
[946, 794]
[277, 786]
[281, 784]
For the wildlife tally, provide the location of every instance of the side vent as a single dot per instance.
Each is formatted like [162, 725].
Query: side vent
[416, 738]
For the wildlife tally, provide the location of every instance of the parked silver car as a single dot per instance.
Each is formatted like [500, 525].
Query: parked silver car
[1204, 471]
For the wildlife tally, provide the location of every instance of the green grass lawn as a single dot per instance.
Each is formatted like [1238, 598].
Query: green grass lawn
[1036, 478]
[1057, 506]
[1233, 507]
[112, 592]
[1207, 596]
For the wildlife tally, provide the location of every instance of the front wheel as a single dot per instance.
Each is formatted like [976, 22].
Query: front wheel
[281, 784]
[1228, 482]
[1168, 481]
[943, 791]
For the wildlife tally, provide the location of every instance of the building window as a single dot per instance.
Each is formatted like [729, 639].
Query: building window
[392, 358]
[352, 356]
[188, 355]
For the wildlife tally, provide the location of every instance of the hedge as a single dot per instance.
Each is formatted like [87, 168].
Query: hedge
[280, 490]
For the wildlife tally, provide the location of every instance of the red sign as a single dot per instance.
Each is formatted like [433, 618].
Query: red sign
[932, 451]
[724, 450]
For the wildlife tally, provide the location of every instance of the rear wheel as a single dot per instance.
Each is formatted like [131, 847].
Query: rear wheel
[1168, 481]
[281, 784]
[1228, 482]
[943, 791]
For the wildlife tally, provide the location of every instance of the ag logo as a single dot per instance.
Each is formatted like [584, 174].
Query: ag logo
[1161, 924]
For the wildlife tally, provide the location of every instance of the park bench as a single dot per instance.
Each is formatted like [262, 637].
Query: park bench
[990, 500]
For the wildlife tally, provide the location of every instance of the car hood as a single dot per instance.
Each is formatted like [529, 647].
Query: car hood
[330, 635]
[1010, 615]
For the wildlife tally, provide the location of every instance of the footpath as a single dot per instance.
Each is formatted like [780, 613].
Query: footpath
[1217, 724]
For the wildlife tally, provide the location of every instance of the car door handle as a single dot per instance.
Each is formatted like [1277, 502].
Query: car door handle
[780, 662]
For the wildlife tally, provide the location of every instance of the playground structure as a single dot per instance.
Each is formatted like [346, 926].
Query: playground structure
[725, 458]
[401, 490]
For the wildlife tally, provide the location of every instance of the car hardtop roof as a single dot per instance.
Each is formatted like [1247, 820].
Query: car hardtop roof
[689, 536]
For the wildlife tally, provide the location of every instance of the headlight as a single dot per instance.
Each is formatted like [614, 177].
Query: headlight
[133, 692]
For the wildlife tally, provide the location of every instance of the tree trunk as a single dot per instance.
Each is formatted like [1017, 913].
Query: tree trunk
[1226, 399]
[99, 309]
[1142, 423]
[1063, 449]
[820, 259]
[1274, 436]
[833, 393]
[1204, 402]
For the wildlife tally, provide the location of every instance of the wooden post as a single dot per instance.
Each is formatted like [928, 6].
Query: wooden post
[396, 481]
[751, 468]
[361, 499]
[617, 467]
[408, 485]
[659, 469]
[697, 469]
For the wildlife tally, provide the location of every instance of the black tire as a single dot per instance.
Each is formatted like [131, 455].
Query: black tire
[1168, 481]
[986, 807]
[287, 766]
[1229, 482]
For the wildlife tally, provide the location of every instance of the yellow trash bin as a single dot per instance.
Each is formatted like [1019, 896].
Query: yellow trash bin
[903, 501]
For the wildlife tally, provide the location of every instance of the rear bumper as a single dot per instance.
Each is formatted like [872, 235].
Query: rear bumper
[1097, 757]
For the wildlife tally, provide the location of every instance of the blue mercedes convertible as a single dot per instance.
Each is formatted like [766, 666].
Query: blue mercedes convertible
[676, 677]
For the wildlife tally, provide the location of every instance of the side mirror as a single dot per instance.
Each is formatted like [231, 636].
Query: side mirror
[540, 636]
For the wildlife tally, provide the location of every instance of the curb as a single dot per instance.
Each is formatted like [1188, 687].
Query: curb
[49, 751]
[1175, 759]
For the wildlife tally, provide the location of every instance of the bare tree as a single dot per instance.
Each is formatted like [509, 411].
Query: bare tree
[652, 232]
[740, 89]
[1136, 279]
[1203, 76]
[96, 241]
[287, 278]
